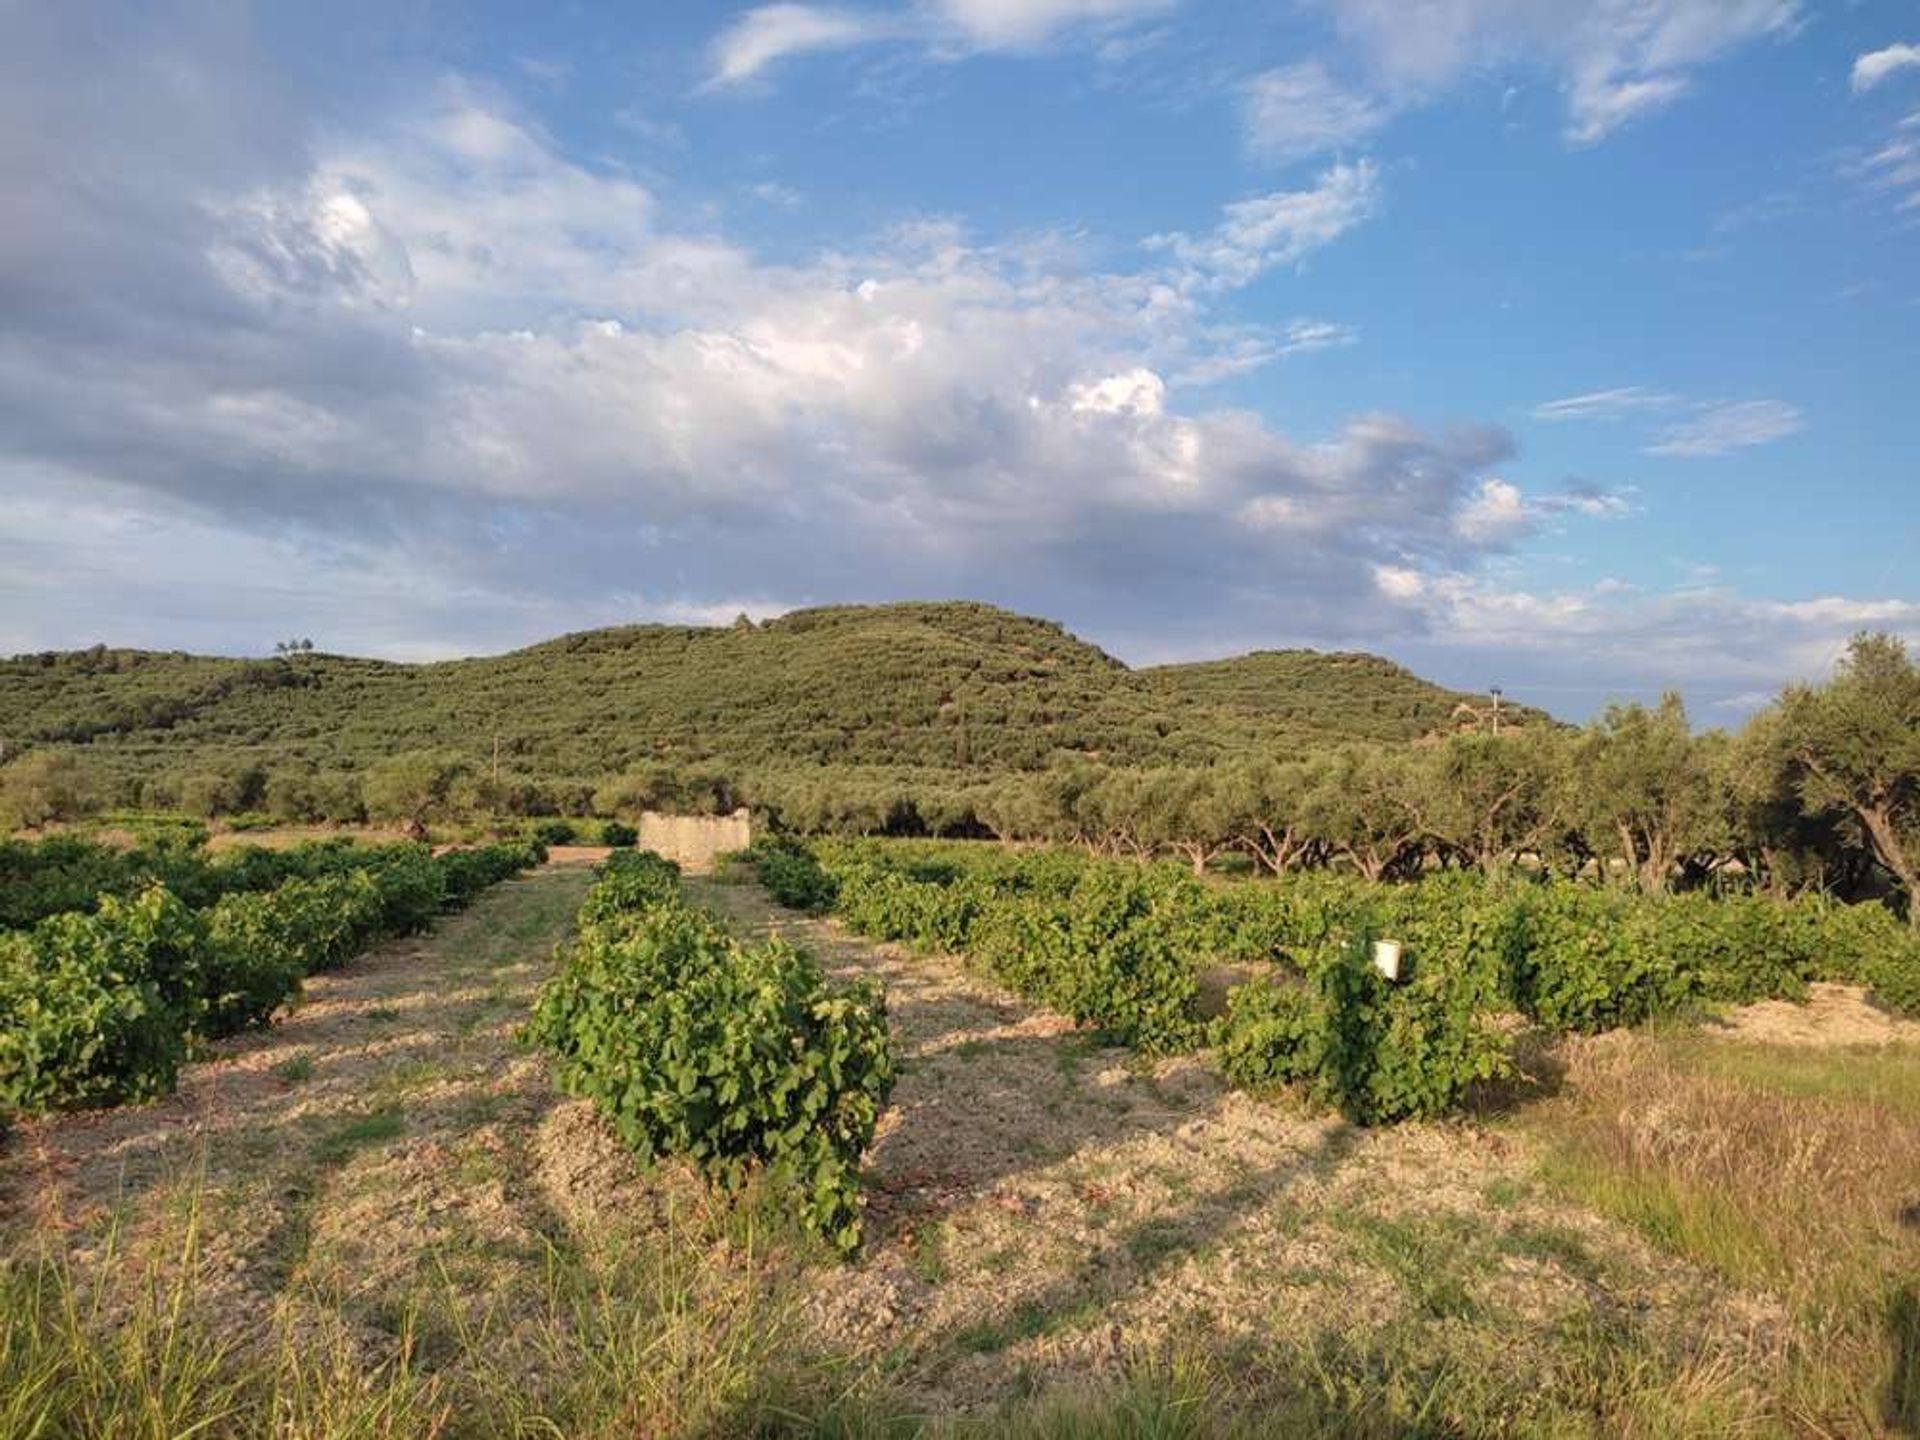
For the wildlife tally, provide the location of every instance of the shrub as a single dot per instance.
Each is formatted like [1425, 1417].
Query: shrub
[1105, 955]
[413, 887]
[619, 834]
[45, 786]
[258, 947]
[793, 876]
[1864, 944]
[1378, 1050]
[465, 873]
[554, 832]
[1118, 945]
[100, 1007]
[738, 1059]
[1275, 1033]
[84, 1019]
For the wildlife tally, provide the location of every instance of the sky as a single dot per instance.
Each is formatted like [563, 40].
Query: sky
[1565, 347]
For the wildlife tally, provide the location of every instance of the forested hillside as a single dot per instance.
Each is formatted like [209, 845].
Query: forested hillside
[941, 686]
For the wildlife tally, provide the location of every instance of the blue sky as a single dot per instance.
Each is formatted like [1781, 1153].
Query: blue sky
[1564, 346]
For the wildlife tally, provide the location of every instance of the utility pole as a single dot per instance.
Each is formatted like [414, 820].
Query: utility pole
[1496, 709]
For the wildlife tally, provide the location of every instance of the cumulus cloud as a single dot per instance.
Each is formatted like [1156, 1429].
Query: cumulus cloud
[1877, 65]
[437, 347]
[1570, 649]
[1495, 515]
[431, 384]
[1584, 498]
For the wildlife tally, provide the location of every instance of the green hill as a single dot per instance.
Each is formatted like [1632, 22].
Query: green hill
[943, 686]
[1346, 695]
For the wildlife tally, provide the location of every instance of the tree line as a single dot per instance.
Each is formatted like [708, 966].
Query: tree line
[1820, 790]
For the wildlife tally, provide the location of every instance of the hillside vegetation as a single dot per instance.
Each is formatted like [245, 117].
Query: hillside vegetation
[947, 686]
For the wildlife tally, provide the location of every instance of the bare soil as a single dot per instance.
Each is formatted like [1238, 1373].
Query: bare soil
[1832, 1015]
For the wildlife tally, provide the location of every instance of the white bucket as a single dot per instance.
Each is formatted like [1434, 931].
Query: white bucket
[1386, 958]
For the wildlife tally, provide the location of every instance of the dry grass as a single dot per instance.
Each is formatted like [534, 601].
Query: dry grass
[1795, 1173]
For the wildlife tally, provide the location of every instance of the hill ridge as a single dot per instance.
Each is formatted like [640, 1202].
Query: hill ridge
[939, 684]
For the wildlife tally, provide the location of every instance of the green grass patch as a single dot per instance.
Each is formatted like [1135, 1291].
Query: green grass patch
[343, 1140]
[295, 1069]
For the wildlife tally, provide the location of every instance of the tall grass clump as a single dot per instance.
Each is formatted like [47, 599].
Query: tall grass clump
[1788, 1173]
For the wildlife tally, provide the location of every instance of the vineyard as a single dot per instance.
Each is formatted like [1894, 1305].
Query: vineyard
[956, 1140]
[1125, 947]
[116, 966]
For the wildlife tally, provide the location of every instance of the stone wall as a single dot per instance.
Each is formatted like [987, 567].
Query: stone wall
[693, 840]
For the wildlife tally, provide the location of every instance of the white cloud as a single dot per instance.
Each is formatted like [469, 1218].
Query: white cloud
[1602, 103]
[1716, 429]
[1301, 110]
[781, 197]
[1590, 501]
[1306, 335]
[1137, 392]
[1397, 582]
[1496, 515]
[1020, 24]
[1701, 428]
[1893, 170]
[1604, 404]
[1722, 650]
[1876, 65]
[940, 28]
[444, 345]
[434, 385]
[1616, 60]
[1276, 229]
[771, 33]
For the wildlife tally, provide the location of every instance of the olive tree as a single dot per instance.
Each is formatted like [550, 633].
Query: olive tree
[413, 788]
[44, 786]
[1366, 803]
[1268, 813]
[1493, 797]
[1643, 795]
[1852, 747]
